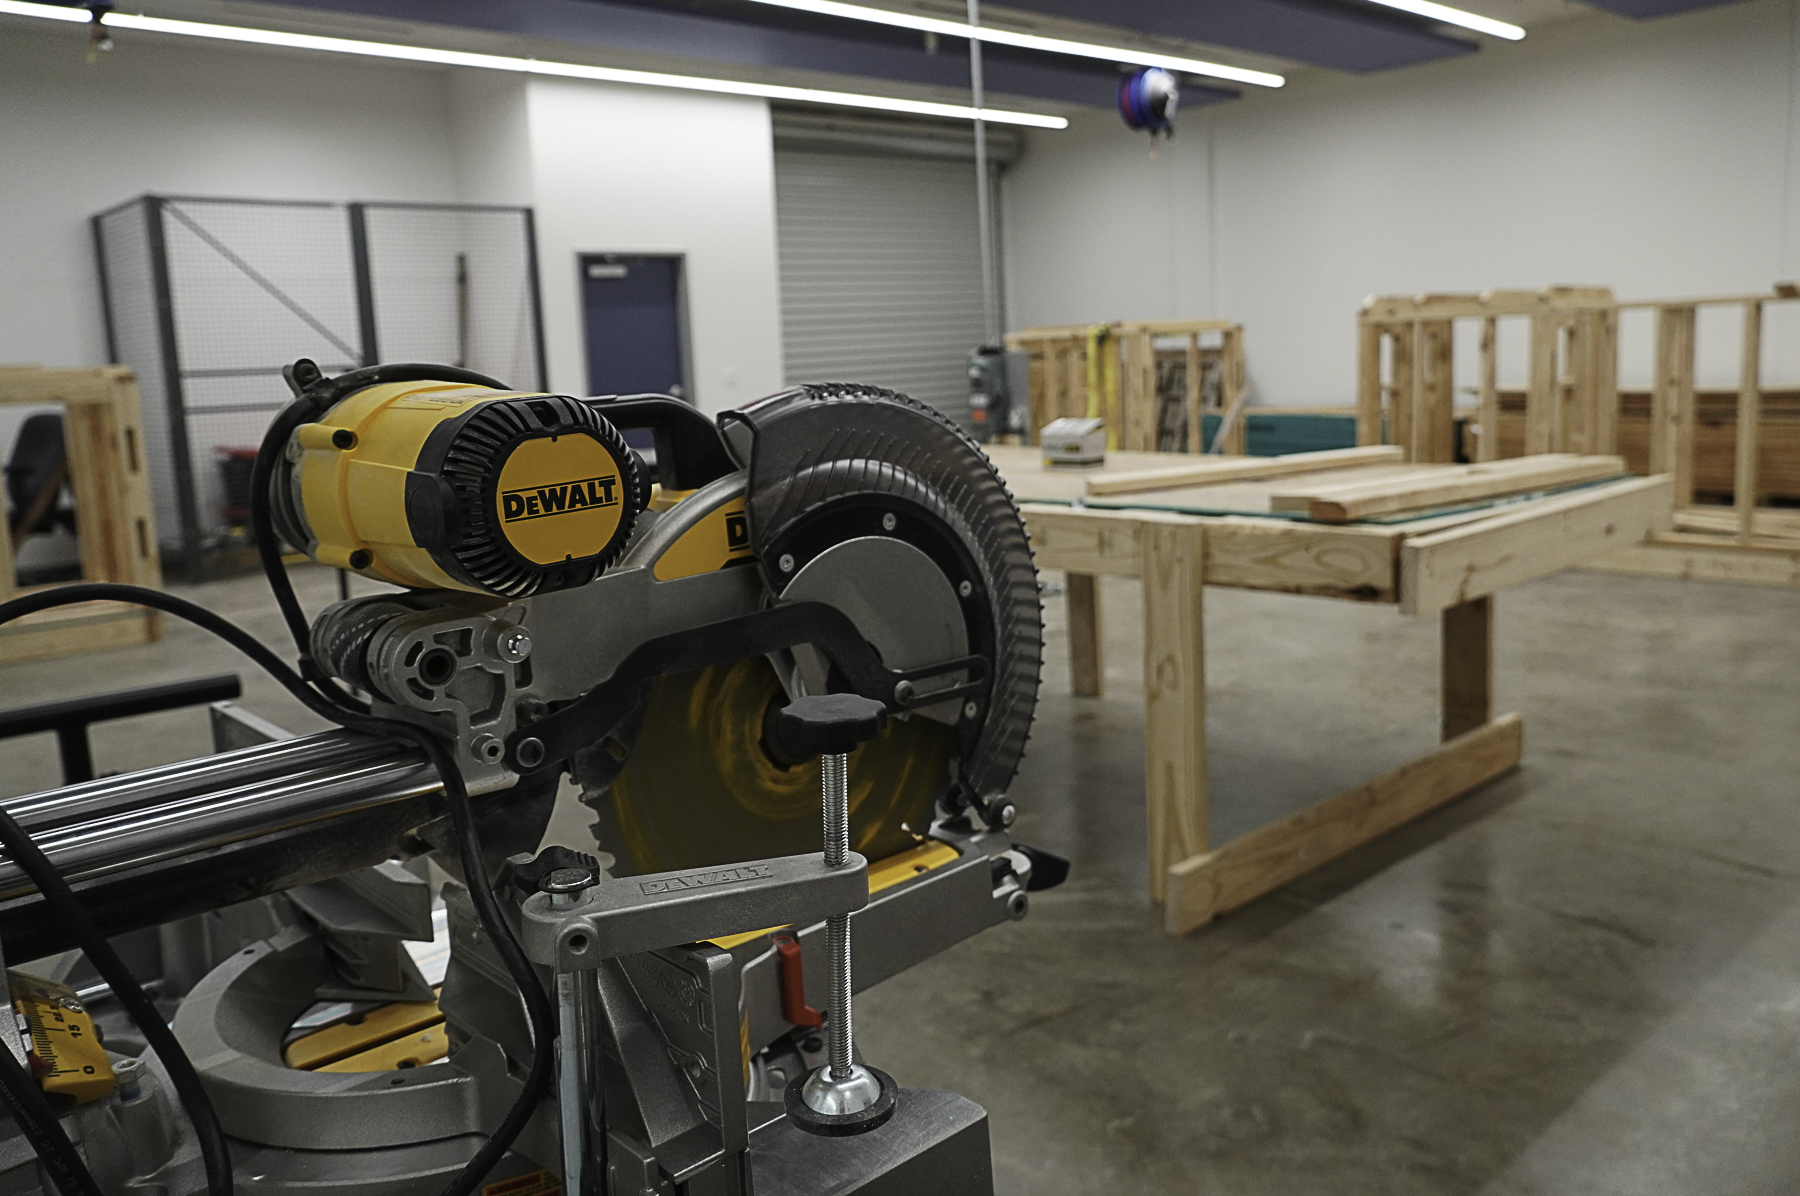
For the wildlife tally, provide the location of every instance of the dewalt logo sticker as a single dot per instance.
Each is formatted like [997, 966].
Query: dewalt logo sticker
[541, 502]
[559, 498]
[719, 538]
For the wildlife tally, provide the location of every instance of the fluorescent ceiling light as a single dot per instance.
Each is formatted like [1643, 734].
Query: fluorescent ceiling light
[1031, 41]
[1456, 16]
[529, 66]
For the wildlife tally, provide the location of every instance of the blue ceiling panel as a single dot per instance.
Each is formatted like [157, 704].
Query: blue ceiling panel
[1341, 34]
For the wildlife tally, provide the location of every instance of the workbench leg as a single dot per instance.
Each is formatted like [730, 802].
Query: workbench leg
[1087, 660]
[1468, 665]
[1174, 696]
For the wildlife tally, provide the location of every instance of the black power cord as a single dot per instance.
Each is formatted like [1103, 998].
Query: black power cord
[540, 1013]
[43, 1129]
[314, 394]
[63, 902]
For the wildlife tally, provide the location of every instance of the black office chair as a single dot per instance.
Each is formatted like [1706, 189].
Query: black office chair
[37, 474]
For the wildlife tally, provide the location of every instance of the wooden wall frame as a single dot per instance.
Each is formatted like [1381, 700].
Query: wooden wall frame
[1109, 370]
[103, 436]
[1405, 397]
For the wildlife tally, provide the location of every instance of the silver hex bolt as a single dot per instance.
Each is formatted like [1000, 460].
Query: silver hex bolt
[513, 644]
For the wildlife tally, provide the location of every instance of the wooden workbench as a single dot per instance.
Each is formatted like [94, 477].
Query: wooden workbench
[1450, 560]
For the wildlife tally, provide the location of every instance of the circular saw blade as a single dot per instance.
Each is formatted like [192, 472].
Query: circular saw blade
[697, 789]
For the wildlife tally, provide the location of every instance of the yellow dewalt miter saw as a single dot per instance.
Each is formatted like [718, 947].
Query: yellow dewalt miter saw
[789, 658]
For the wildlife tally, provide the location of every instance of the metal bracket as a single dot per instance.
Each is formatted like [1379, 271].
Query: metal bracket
[642, 913]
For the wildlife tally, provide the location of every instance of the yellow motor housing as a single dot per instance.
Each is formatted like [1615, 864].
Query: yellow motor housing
[447, 485]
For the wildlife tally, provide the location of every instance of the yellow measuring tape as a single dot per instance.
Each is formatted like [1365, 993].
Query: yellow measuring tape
[70, 1060]
[1103, 380]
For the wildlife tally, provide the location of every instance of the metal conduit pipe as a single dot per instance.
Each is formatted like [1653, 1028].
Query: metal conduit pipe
[140, 818]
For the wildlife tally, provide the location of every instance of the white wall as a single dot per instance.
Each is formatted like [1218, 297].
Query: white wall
[1654, 157]
[631, 170]
[181, 118]
[608, 168]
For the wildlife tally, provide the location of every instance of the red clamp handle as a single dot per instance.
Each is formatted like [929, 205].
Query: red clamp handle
[793, 983]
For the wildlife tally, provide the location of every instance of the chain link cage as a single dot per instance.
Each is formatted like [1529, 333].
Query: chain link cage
[207, 298]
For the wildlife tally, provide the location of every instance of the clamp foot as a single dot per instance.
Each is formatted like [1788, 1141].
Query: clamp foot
[868, 1099]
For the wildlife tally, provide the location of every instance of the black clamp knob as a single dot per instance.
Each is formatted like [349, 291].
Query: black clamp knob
[830, 724]
[535, 875]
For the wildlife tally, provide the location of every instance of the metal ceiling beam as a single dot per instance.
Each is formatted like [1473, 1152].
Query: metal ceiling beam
[795, 41]
[1342, 34]
[1655, 8]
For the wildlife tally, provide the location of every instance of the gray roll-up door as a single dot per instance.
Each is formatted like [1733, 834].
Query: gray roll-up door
[880, 271]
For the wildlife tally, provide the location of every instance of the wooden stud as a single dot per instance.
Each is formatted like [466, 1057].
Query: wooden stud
[1672, 415]
[1203, 886]
[1487, 437]
[1606, 382]
[1467, 665]
[1234, 390]
[1749, 423]
[1401, 338]
[1434, 428]
[1368, 384]
[1687, 419]
[1137, 370]
[1541, 388]
[1575, 426]
[1662, 396]
[1196, 415]
[1087, 656]
[1174, 694]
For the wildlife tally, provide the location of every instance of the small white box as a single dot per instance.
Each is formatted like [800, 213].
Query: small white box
[1074, 441]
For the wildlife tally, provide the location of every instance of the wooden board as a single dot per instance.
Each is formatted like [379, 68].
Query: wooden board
[1085, 541]
[1228, 469]
[1174, 694]
[1030, 480]
[1244, 552]
[1467, 666]
[1390, 308]
[1247, 553]
[1540, 538]
[1768, 525]
[82, 627]
[1668, 556]
[1205, 885]
[1342, 502]
[1087, 646]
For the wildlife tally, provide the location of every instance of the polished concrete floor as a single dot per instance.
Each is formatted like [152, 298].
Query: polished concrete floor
[1584, 978]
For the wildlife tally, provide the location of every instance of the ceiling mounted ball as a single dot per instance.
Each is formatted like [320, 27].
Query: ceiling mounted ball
[1148, 99]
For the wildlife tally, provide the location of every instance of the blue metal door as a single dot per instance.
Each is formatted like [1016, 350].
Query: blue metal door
[632, 312]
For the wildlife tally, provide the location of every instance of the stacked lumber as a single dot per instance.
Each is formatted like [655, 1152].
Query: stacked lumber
[1212, 470]
[1432, 487]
